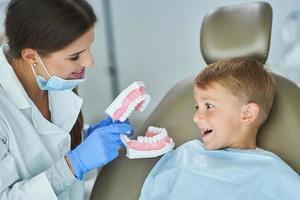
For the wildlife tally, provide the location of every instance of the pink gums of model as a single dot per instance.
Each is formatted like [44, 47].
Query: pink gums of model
[133, 95]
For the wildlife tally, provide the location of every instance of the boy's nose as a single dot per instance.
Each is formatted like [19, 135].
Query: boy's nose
[198, 117]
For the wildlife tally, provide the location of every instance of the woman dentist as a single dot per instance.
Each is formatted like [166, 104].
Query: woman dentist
[47, 53]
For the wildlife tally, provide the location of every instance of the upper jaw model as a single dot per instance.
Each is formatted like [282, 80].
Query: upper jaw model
[156, 140]
[134, 97]
[155, 143]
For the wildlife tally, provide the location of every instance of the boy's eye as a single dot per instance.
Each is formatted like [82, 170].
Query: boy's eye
[196, 107]
[208, 105]
[74, 58]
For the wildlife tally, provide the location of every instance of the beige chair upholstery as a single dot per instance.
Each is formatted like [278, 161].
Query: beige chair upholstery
[235, 31]
[242, 30]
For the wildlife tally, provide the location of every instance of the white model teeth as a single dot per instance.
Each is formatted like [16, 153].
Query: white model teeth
[155, 139]
[146, 102]
[140, 139]
[151, 128]
[164, 133]
[156, 130]
[158, 137]
[146, 98]
[131, 106]
[124, 139]
[139, 99]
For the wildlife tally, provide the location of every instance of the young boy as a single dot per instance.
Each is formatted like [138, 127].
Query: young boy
[233, 99]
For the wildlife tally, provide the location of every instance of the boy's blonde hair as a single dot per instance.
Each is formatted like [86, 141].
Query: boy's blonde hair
[245, 78]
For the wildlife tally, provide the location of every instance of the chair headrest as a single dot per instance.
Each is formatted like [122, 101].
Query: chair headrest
[236, 31]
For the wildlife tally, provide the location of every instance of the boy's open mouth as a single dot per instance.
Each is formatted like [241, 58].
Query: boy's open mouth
[206, 131]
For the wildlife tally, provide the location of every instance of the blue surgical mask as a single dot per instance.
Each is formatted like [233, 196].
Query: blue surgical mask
[55, 83]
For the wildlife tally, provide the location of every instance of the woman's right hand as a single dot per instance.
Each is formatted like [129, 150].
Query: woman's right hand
[107, 121]
[98, 149]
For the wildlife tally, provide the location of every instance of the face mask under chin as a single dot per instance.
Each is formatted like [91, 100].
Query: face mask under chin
[55, 83]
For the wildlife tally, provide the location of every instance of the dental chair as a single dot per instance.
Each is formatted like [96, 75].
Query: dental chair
[233, 31]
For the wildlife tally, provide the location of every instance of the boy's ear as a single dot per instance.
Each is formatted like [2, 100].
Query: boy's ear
[249, 113]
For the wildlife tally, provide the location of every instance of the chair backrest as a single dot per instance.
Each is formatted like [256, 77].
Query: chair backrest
[236, 31]
[223, 35]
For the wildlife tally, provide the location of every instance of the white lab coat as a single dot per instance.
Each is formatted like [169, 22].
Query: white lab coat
[29, 143]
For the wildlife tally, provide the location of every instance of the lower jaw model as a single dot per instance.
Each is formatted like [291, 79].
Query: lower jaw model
[155, 143]
[156, 140]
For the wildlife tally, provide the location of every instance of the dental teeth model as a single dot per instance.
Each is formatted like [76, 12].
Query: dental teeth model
[134, 97]
[155, 143]
[156, 140]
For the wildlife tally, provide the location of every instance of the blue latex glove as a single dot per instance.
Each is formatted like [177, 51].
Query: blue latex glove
[105, 122]
[98, 149]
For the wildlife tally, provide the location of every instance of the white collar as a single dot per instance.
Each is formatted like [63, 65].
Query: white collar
[64, 107]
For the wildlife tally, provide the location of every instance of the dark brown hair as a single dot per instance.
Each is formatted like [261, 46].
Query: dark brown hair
[77, 130]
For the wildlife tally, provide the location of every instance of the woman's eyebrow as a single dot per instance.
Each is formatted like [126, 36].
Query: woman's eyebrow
[76, 54]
